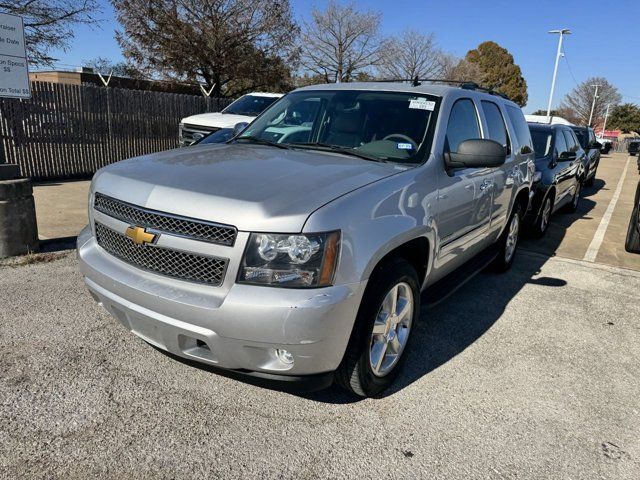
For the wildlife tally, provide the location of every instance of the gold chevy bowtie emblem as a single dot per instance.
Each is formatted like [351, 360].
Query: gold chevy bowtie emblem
[139, 235]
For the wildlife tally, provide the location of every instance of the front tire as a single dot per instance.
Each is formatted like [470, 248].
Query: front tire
[387, 316]
[592, 180]
[575, 201]
[542, 222]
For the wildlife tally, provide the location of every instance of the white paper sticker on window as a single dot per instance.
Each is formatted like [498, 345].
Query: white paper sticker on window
[422, 103]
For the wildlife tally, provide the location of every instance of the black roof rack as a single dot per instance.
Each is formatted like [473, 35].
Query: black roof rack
[475, 86]
[467, 85]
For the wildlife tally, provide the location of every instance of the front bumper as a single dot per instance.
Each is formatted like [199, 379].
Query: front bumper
[238, 331]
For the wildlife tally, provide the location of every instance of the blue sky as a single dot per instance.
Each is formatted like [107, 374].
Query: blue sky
[604, 42]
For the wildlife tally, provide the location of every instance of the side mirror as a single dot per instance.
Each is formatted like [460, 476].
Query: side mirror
[596, 145]
[565, 156]
[239, 127]
[476, 153]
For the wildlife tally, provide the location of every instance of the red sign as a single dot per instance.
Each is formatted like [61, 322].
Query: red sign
[608, 133]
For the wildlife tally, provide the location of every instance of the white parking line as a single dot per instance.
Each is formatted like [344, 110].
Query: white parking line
[594, 246]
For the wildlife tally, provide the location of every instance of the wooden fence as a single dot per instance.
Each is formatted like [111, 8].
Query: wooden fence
[67, 131]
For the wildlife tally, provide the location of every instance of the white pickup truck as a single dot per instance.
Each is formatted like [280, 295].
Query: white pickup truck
[244, 109]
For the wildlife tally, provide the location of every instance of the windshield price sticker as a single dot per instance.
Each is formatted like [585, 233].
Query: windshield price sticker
[422, 103]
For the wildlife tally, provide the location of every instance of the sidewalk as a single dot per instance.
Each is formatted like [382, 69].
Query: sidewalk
[61, 208]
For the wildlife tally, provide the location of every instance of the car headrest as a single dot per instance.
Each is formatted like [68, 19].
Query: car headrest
[346, 121]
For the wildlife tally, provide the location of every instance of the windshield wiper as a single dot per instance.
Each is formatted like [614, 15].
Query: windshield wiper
[262, 141]
[337, 149]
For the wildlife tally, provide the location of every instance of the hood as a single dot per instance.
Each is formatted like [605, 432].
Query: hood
[217, 120]
[253, 187]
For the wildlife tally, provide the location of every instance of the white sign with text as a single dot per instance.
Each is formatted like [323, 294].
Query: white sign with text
[14, 71]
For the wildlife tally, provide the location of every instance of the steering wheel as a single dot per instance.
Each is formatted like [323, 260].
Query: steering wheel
[402, 137]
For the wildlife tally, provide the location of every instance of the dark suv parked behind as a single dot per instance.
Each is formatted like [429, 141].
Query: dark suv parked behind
[590, 145]
[559, 172]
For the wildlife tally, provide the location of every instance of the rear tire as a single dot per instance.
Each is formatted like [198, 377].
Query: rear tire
[368, 366]
[508, 242]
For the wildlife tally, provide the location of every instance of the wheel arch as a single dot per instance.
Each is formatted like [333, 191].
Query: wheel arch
[416, 252]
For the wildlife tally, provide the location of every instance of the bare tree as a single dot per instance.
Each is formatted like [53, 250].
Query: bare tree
[341, 42]
[448, 64]
[580, 100]
[233, 46]
[412, 54]
[49, 24]
[462, 70]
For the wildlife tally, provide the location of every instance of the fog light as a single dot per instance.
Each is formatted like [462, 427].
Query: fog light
[285, 356]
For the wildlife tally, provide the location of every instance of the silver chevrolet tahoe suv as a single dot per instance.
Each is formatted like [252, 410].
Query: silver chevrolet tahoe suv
[297, 252]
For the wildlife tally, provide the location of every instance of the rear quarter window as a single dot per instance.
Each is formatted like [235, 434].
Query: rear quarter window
[523, 135]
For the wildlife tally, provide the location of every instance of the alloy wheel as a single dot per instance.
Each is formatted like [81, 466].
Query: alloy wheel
[546, 215]
[512, 238]
[391, 329]
[576, 195]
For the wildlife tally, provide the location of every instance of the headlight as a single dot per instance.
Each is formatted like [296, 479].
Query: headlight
[537, 177]
[290, 260]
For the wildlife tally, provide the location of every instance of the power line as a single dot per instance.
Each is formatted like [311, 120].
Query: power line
[576, 81]
[564, 54]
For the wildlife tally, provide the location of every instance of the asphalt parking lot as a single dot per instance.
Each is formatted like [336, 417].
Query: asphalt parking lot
[531, 374]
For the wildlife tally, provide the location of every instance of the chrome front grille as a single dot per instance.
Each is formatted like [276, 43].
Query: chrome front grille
[172, 263]
[189, 134]
[164, 222]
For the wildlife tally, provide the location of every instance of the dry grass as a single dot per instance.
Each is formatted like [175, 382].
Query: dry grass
[33, 258]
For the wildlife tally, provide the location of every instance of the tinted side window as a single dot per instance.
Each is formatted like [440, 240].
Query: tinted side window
[495, 123]
[561, 143]
[463, 124]
[572, 144]
[575, 139]
[582, 135]
[521, 128]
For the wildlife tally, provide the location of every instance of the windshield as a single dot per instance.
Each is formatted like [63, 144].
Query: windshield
[250, 105]
[583, 136]
[374, 125]
[541, 142]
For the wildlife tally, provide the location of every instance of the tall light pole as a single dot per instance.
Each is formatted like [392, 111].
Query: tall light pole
[593, 105]
[606, 115]
[562, 32]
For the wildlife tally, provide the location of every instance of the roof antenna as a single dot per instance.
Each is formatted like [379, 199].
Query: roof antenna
[416, 81]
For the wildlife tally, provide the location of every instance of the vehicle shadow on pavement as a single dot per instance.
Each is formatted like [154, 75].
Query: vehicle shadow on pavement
[448, 328]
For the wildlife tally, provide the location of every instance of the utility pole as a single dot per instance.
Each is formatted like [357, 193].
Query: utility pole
[562, 32]
[593, 105]
[606, 115]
